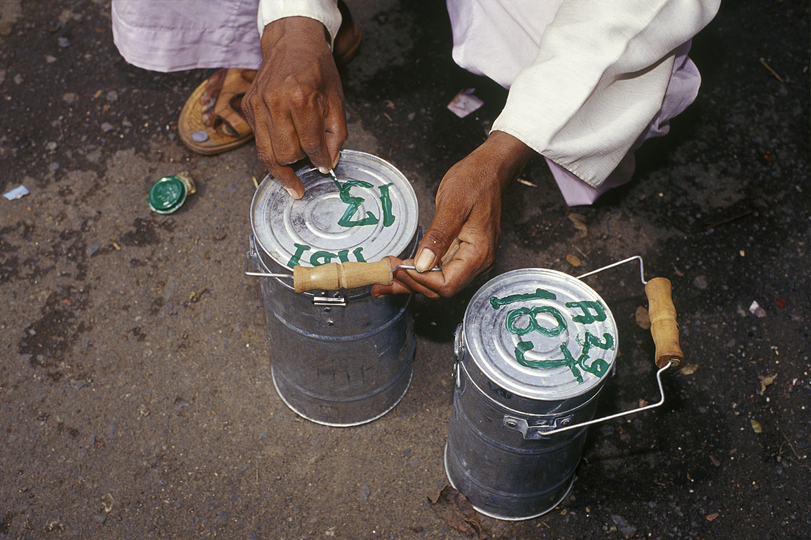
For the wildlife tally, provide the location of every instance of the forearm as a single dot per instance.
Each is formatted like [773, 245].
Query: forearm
[506, 155]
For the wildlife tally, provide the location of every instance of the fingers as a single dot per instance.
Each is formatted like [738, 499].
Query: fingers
[265, 151]
[335, 131]
[403, 282]
[440, 236]
[296, 104]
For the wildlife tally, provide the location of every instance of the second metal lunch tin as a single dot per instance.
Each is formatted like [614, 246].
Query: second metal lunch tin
[532, 354]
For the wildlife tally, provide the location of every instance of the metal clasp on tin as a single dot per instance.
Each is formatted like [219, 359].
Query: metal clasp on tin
[337, 300]
[537, 431]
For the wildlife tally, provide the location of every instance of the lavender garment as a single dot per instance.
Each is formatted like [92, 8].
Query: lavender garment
[176, 35]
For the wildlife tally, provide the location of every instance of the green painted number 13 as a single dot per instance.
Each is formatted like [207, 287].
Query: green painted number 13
[353, 203]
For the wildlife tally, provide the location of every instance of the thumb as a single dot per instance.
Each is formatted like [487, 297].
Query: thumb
[437, 240]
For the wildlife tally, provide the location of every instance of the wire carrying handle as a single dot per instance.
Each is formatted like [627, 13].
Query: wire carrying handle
[664, 330]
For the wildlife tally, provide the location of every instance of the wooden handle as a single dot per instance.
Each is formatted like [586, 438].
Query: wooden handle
[334, 276]
[663, 326]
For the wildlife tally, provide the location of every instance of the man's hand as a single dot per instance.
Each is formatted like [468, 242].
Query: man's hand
[295, 105]
[464, 233]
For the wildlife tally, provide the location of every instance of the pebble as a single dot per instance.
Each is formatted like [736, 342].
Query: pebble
[50, 59]
[756, 310]
[700, 282]
[623, 526]
[64, 42]
[112, 95]
[107, 127]
[69, 98]
[364, 489]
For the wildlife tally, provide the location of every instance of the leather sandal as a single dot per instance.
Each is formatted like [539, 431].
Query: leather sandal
[211, 121]
[347, 40]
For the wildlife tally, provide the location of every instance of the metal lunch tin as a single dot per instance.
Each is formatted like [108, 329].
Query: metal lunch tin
[338, 358]
[532, 354]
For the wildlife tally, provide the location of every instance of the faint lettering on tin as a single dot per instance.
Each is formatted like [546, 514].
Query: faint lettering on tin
[354, 203]
[318, 258]
[523, 321]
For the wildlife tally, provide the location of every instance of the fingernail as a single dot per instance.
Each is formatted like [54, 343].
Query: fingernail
[335, 163]
[292, 193]
[424, 261]
[323, 170]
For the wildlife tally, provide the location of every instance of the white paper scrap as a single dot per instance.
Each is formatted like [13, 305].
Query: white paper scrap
[16, 193]
[465, 103]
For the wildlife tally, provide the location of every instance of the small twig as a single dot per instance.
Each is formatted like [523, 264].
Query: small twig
[773, 72]
[789, 443]
[730, 220]
[173, 89]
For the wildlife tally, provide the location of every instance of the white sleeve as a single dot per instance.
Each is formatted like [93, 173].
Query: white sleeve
[599, 78]
[324, 11]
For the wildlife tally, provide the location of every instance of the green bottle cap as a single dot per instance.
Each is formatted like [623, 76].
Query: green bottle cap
[167, 194]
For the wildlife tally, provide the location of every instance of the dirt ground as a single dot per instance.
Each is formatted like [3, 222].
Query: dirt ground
[135, 392]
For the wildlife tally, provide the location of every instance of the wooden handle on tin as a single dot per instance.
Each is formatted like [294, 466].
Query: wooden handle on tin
[663, 325]
[334, 276]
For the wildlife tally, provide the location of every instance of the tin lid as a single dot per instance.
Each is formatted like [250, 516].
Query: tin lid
[540, 334]
[368, 213]
[167, 194]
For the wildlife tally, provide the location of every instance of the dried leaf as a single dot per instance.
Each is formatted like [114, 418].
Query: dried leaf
[688, 369]
[455, 510]
[642, 317]
[107, 502]
[573, 260]
[766, 381]
[756, 426]
[579, 224]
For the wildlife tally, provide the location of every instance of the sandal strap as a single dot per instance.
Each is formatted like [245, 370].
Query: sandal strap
[233, 88]
[233, 121]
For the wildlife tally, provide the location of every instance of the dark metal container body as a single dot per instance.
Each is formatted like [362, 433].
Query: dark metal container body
[339, 358]
[513, 383]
